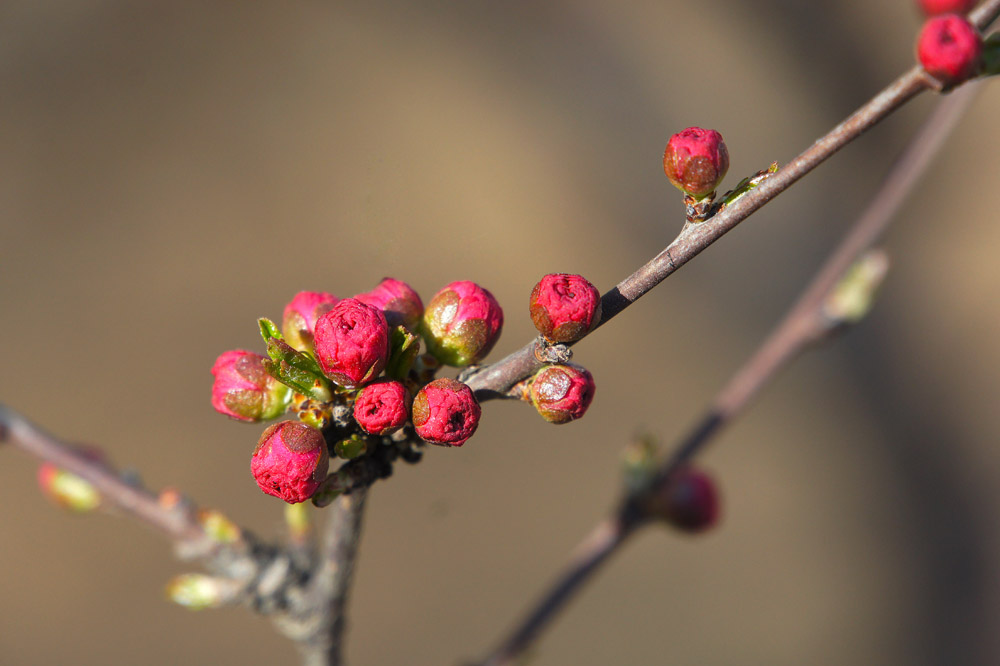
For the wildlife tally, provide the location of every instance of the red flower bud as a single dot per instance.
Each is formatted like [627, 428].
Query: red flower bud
[299, 319]
[562, 393]
[696, 161]
[446, 412]
[564, 307]
[383, 407]
[688, 500]
[243, 390]
[935, 7]
[290, 461]
[352, 343]
[462, 323]
[397, 300]
[950, 48]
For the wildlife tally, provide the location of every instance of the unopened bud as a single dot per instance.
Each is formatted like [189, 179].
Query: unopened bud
[198, 591]
[446, 412]
[688, 500]
[290, 461]
[244, 390]
[462, 323]
[218, 527]
[935, 7]
[68, 490]
[564, 307]
[398, 301]
[950, 48]
[696, 160]
[562, 393]
[382, 407]
[352, 343]
[299, 320]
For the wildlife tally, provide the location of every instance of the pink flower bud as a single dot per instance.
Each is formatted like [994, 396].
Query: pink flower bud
[696, 161]
[462, 323]
[688, 500]
[352, 343]
[243, 390]
[382, 407]
[299, 319]
[446, 412]
[564, 307]
[935, 7]
[397, 300]
[950, 48]
[290, 461]
[562, 393]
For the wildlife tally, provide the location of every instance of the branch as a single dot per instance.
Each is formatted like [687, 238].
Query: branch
[804, 324]
[493, 381]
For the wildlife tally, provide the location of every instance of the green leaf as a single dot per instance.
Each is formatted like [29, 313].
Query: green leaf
[991, 55]
[746, 185]
[268, 329]
[404, 347]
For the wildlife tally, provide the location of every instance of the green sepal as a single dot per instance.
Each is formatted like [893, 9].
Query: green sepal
[991, 55]
[351, 447]
[746, 185]
[404, 347]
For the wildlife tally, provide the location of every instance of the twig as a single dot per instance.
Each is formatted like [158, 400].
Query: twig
[493, 381]
[327, 593]
[804, 324]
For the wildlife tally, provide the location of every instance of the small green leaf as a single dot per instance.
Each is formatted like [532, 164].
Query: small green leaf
[404, 347]
[746, 185]
[852, 298]
[268, 329]
[298, 380]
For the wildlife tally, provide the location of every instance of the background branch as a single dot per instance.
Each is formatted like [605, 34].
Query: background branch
[804, 324]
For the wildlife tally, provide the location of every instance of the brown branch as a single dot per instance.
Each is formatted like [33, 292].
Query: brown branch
[326, 594]
[804, 324]
[494, 380]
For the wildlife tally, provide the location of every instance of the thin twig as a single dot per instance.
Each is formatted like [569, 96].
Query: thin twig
[804, 324]
[494, 380]
[327, 593]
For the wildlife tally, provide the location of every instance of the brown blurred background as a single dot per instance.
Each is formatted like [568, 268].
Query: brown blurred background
[172, 170]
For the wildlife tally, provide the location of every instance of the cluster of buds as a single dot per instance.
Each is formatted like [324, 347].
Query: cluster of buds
[351, 370]
[564, 308]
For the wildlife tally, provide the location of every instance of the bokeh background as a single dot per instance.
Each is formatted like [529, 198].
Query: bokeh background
[171, 170]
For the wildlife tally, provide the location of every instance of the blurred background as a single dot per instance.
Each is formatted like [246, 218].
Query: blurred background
[172, 170]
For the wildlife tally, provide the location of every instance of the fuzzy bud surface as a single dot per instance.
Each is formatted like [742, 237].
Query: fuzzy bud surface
[446, 412]
[950, 48]
[696, 160]
[564, 307]
[398, 301]
[382, 407]
[462, 323]
[935, 7]
[689, 501]
[243, 390]
[290, 461]
[562, 393]
[352, 343]
[299, 319]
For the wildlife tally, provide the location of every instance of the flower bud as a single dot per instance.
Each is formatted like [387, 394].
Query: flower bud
[696, 161]
[462, 323]
[299, 319]
[688, 500]
[290, 461]
[935, 7]
[199, 591]
[950, 48]
[67, 489]
[446, 412]
[397, 300]
[352, 343]
[382, 408]
[564, 307]
[244, 390]
[561, 393]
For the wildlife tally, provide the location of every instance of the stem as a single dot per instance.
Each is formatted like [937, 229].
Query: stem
[328, 592]
[803, 325]
[493, 381]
